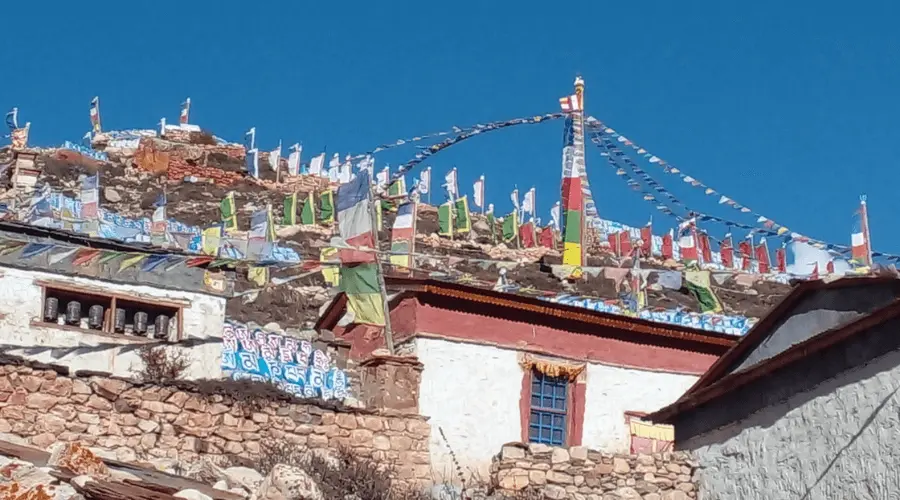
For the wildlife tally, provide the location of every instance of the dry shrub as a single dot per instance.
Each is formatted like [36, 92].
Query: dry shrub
[340, 475]
[161, 365]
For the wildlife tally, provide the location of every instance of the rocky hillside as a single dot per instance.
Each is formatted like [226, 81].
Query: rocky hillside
[196, 173]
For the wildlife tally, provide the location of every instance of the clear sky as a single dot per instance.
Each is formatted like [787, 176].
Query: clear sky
[791, 108]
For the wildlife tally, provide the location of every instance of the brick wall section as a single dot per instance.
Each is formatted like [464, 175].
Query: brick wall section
[577, 472]
[178, 161]
[44, 405]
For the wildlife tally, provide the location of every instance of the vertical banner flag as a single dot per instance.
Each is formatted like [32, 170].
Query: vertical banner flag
[462, 220]
[355, 220]
[478, 193]
[528, 204]
[402, 235]
[726, 250]
[317, 164]
[326, 207]
[450, 184]
[253, 163]
[647, 239]
[687, 241]
[514, 196]
[781, 258]
[511, 227]
[704, 247]
[228, 212]
[381, 180]
[250, 139]
[668, 252]
[185, 111]
[294, 159]
[346, 171]
[554, 216]
[489, 215]
[159, 224]
[746, 250]
[289, 217]
[574, 175]
[308, 215]
[334, 168]
[398, 187]
[162, 128]
[20, 136]
[425, 181]
[444, 219]
[368, 164]
[275, 157]
[861, 247]
[12, 119]
[762, 256]
[572, 205]
[95, 115]
[527, 232]
[90, 196]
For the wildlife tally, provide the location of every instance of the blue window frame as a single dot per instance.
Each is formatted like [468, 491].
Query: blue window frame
[549, 403]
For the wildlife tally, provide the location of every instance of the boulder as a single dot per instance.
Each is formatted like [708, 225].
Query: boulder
[286, 482]
[77, 458]
[242, 477]
[192, 495]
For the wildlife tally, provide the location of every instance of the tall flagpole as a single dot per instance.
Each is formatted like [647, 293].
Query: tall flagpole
[579, 153]
[865, 227]
[388, 333]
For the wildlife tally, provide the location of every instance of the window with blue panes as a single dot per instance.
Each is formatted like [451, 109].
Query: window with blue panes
[549, 402]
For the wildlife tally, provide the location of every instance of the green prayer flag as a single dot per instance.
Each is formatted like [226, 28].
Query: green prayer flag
[697, 283]
[308, 214]
[511, 227]
[364, 300]
[229, 212]
[463, 221]
[289, 217]
[326, 207]
[444, 228]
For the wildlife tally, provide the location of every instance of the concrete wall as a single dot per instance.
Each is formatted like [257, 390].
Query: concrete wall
[472, 392]
[20, 303]
[836, 438]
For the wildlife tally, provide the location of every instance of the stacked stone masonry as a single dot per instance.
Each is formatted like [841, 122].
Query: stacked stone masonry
[143, 422]
[584, 474]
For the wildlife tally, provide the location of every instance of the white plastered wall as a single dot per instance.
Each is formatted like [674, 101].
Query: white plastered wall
[20, 303]
[472, 393]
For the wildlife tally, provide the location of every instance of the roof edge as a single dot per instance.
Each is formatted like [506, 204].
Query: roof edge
[783, 359]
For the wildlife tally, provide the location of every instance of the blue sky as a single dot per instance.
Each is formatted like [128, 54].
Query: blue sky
[789, 109]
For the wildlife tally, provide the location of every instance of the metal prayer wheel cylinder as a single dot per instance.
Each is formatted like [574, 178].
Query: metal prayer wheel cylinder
[51, 309]
[73, 312]
[161, 326]
[95, 317]
[140, 322]
[119, 321]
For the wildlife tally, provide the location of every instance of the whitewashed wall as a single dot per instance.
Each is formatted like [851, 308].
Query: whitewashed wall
[472, 393]
[611, 391]
[20, 303]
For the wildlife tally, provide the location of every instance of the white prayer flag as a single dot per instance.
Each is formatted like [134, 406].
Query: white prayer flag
[478, 196]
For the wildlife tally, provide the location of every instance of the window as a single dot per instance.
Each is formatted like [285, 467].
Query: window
[548, 420]
[97, 311]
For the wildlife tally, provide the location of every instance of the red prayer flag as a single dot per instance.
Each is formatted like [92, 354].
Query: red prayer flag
[727, 252]
[624, 244]
[781, 260]
[647, 240]
[667, 246]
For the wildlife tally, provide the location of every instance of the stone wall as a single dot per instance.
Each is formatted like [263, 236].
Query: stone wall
[181, 161]
[580, 473]
[187, 421]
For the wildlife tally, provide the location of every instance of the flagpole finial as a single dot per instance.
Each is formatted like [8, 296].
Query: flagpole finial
[862, 199]
[579, 84]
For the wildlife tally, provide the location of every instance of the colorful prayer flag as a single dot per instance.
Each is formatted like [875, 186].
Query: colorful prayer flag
[326, 207]
[308, 214]
[402, 235]
[355, 219]
[360, 283]
[462, 220]
[228, 212]
[289, 218]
